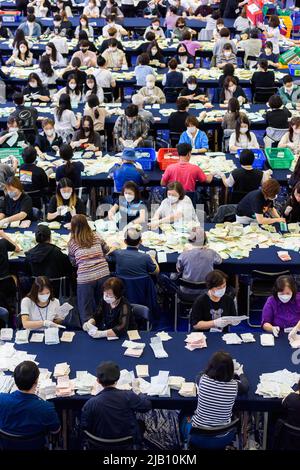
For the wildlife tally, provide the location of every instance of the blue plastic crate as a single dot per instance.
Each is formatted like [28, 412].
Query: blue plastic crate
[294, 70]
[260, 158]
[147, 163]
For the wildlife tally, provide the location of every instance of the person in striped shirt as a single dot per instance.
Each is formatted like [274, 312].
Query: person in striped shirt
[87, 252]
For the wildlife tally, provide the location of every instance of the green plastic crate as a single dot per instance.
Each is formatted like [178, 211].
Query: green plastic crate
[14, 151]
[292, 56]
[279, 158]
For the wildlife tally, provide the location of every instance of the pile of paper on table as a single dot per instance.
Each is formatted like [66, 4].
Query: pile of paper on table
[85, 383]
[133, 348]
[277, 384]
[195, 341]
[61, 369]
[188, 389]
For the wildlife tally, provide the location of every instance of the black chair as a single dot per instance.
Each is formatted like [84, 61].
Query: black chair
[92, 442]
[141, 314]
[174, 138]
[10, 441]
[172, 93]
[108, 95]
[4, 316]
[287, 437]
[215, 435]
[261, 286]
[38, 201]
[262, 94]
[186, 300]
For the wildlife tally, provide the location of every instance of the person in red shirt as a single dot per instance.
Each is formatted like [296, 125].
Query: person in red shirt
[184, 172]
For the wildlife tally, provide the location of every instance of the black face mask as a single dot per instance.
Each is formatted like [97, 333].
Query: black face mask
[84, 49]
[182, 54]
[181, 26]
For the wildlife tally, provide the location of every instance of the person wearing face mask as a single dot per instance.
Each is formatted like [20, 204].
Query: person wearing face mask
[13, 132]
[292, 207]
[156, 29]
[209, 308]
[49, 141]
[91, 10]
[268, 54]
[84, 26]
[151, 93]
[56, 58]
[30, 27]
[242, 138]
[171, 18]
[192, 91]
[110, 7]
[112, 34]
[115, 58]
[180, 29]
[65, 204]
[193, 136]
[258, 205]
[216, 32]
[282, 309]
[291, 139]
[111, 23]
[35, 91]
[32, 177]
[129, 206]
[70, 170]
[131, 130]
[16, 205]
[72, 90]
[231, 89]
[22, 57]
[290, 92]
[227, 56]
[184, 59]
[86, 137]
[92, 88]
[39, 309]
[87, 57]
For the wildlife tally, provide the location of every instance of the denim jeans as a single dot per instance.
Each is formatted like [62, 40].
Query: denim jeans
[88, 298]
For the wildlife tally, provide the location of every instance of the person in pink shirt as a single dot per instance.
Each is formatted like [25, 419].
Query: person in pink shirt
[171, 18]
[192, 46]
[185, 172]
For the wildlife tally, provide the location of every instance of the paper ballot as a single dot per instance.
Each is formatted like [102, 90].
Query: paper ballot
[133, 344]
[37, 338]
[63, 311]
[133, 334]
[157, 348]
[267, 340]
[67, 336]
[232, 338]
[22, 337]
[62, 368]
[163, 336]
[51, 336]
[133, 352]
[142, 370]
[233, 320]
[6, 334]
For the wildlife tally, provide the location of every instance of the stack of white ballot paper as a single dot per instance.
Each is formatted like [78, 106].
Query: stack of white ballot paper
[51, 336]
[247, 338]
[277, 384]
[6, 383]
[133, 349]
[125, 380]
[267, 340]
[64, 387]
[188, 389]
[60, 369]
[160, 385]
[22, 336]
[47, 389]
[163, 336]
[142, 370]
[37, 338]
[232, 338]
[195, 341]
[157, 348]
[176, 382]
[85, 383]
[6, 334]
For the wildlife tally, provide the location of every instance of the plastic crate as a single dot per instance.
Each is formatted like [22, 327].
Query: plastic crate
[10, 16]
[14, 151]
[292, 56]
[260, 158]
[147, 163]
[279, 158]
[294, 70]
[164, 161]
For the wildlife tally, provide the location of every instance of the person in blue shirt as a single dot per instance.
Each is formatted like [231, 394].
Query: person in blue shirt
[127, 171]
[31, 27]
[268, 54]
[143, 69]
[193, 136]
[111, 413]
[23, 413]
[172, 79]
[129, 206]
[71, 170]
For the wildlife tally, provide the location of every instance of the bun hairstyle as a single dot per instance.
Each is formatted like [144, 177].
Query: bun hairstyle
[42, 234]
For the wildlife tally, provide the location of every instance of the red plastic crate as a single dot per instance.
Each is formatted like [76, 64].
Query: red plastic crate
[254, 13]
[163, 160]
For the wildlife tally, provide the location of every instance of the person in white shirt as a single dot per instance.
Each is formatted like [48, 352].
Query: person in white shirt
[46, 73]
[91, 10]
[112, 24]
[242, 23]
[84, 26]
[242, 138]
[91, 88]
[176, 209]
[65, 120]
[272, 32]
[39, 309]
[56, 59]
[40, 8]
[104, 76]
[156, 29]
[60, 42]
[291, 139]
[72, 89]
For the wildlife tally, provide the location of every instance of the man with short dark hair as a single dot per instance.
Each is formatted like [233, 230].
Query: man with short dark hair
[23, 412]
[25, 115]
[32, 177]
[111, 413]
[176, 121]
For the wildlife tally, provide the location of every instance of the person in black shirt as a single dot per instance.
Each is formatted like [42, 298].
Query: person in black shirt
[111, 413]
[156, 55]
[150, 37]
[263, 78]
[209, 308]
[114, 316]
[6, 245]
[292, 208]
[258, 204]
[176, 121]
[17, 205]
[13, 132]
[32, 177]
[26, 117]
[65, 203]
[278, 117]
[7, 284]
[35, 91]
[192, 91]
[50, 141]
[46, 259]
[228, 71]
[73, 70]
[71, 170]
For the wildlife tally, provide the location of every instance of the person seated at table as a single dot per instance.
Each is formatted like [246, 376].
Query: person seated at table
[130, 130]
[242, 137]
[231, 89]
[87, 57]
[156, 29]
[180, 29]
[112, 34]
[23, 413]
[104, 76]
[263, 77]
[111, 6]
[171, 18]
[74, 69]
[72, 89]
[96, 112]
[45, 258]
[16, 205]
[209, 308]
[268, 54]
[49, 141]
[138, 100]
[289, 92]
[91, 10]
[114, 57]
[71, 170]
[292, 206]
[131, 262]
[192, 91]
[65, 204]
[129, 206]
[219, 26]
[32, 177]
[193, 136]
[7, 245]
[22, 57]
[91, 88]
[291, 139]
[227, 71]
[127, 171]
[185, 172]
[45, 72]
[183, 58]
[252, 47]
[191, 45]
[19, 37]
[149, 38]
[151, 93]
[56, 58]
[176, 208]
[155, 8]
[232, 114]
[111, 23]
[84, 26]
[41, 8]
[86, 138]
[242, 23]
[59, 41]
[111, 414]
[25, 115]
[258, 205]
[245, 179]
[282, 309]
[5, 33]
[64, 8]
[143, 69]
[278, 116]
[173, 78]
[35, 91]
[30, 27]
[39, 309]
[155, 55]
[224, 39]
[13, 132]
[226, 56]
[177, 120]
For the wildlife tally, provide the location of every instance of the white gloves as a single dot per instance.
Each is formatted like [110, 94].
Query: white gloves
[49, 324]
[293, 333]
[95, 333]
[87, 326]
[275, 331]
[220, 322]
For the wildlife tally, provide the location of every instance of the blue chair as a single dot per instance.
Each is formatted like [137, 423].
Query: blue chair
[141, 313]
[214, 437]
[141, 290]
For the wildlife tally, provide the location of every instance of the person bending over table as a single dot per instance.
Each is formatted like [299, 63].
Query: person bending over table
[114, 316]
[129, 206]
[39, 309]
[86, 137]
[70, 170]
[114, 57]
[13, 135]
[49, 141]
[55, 57]
[209, 308]
[45, 71]
[292, 208]
[259, 205]
[130, 130]
[282, 309]
[184, 59]
[242, 137]
[268, 54]
[151, 93]
[176, 121]
[127, 171]
[291, 139]
[176, 208]
[64, 118]
[35, 91]
[263, 77]
[155, 54]
[65, 204]
[193, 136]
[143, 69]
[192, 91]
[33, 177]
[290, 92]
[226, 56]
[232, 114]
[277, 116]
[17, 205]
[138, 100]
[231, 89]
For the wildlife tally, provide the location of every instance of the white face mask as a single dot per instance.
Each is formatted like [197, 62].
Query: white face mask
[232, 88]
[49, 132]
[268, 51]
[56, 23]
[129, 197]
[72, 86]
[284, 298]
[43, 297]
[13, 129]
[227, 54]
[150, 85]
[192, 87]
[296, 131]
[219, 292]
[244, 130]
[12, 194]
[173, 199]
[109, 300]
[192, 130]
[65, 195]
[155, 27]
